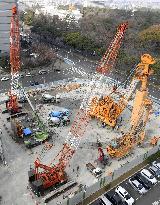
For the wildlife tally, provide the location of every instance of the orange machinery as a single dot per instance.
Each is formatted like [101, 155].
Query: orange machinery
[141, 109]
[106, 110]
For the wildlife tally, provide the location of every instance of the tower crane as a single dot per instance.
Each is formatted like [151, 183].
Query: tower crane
[43, 176]
[12, 104]
[141, 109]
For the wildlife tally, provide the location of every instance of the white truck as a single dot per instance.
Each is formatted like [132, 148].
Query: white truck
[47, 98]
[97, 172]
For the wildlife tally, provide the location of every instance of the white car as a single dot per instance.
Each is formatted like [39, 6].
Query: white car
[147, 174]
[156, 164]
[155, 171]
[41, 72]
[4, 78]
[21, 75]
[137, 185]
[28, 75]
[105, 200]
[124, 195]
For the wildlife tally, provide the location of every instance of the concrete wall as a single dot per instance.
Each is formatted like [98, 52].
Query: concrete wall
[5, 18]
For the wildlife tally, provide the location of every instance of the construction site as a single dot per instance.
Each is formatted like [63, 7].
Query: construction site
[73, 133]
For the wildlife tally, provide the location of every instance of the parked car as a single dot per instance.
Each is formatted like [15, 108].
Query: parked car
[137, 185]
[156, 164]
[147, 184]
[34, 83]
[124, 195]
[4, 78]
[115, 198]
[97, 202]
[97, 172]
[155, 171]
[21, 75]
[100, 201]
[28, 75]
[41, 72]
[105, 200]
[147, 174]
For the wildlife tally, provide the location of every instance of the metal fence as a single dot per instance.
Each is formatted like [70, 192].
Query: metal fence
[88, 191]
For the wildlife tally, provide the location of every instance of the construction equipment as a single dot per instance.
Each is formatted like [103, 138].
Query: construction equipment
[140, 113]
[96, 171]
[108, 60]
[12, 104]
[104, 108]
[154, 140]
[103, 159]
[41, 134]
[59, 117]
[43, 176]
[47, 98]
[107, 109]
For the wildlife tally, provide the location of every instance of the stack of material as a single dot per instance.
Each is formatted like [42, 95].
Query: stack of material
[72, 86]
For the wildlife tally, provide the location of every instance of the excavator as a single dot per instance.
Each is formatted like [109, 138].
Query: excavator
[140, 113]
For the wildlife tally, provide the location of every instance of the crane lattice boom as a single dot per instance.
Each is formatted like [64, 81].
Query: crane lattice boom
[108, 60]
[14, 61]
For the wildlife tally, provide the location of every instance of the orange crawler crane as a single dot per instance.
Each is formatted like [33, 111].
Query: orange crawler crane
[12, 104]
[106, 110]
[140, 113]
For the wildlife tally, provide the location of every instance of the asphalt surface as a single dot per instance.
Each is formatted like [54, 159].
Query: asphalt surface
[152, 197]
[74, 66]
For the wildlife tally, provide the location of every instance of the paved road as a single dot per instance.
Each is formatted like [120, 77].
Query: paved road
[152, 197]
[74, 66]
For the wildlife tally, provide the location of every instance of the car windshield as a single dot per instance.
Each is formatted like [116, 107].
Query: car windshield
[158, 171]
[151, 176]
[140, 186]
[127, 196]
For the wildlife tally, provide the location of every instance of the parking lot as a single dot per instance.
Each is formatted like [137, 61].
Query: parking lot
[151, 197]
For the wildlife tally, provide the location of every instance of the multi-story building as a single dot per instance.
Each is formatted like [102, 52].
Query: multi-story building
[5, 20]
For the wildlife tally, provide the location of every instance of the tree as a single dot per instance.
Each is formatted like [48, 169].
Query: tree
[150, 34]
[151, 37]
[29, 17]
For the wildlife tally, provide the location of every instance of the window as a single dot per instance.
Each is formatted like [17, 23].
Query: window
[145, 175]
[121, 194]
[151, 176]
[127, 196]
[140, 186]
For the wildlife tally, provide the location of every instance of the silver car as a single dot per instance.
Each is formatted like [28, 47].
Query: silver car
[137, 185]
[156, 164]
[155, 171]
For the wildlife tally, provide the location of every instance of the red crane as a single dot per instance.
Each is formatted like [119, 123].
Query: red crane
[108, 60]
[12, 104]
[45, 176]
